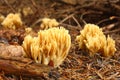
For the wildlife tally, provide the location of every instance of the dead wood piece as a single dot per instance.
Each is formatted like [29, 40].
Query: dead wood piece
[22, 67]
[11, 50]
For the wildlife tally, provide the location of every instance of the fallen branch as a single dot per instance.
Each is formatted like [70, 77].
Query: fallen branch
[22, 67]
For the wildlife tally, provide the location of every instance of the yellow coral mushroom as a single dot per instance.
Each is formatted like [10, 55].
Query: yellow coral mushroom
[48, 23]
[27, 45]
[109, 49]
[93, 40]
[50, 47]
[12, 21]
[1, 18]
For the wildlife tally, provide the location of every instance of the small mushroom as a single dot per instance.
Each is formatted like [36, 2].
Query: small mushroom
[48, 23]
[12, 21]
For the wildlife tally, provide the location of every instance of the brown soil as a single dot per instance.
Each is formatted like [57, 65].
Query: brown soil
[78, 65]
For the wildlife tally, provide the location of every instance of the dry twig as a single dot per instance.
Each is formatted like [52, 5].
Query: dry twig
[113, 31]
[77, 22]
[10, 6]
[66, 18]
[17, 66]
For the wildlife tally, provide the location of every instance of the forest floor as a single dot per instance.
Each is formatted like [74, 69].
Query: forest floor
[77, 65]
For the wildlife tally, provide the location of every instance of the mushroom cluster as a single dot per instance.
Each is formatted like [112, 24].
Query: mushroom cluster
[48, 23]
[12, 21]
[50, 47]
[94, 41]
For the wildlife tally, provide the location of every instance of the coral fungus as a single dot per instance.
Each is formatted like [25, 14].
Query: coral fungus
[12, 21]
[93, 40]
[50, 47]
[48, 23]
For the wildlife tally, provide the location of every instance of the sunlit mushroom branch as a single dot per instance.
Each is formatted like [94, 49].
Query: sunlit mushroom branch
[50, 47]
[93, 40]
[12, 21]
